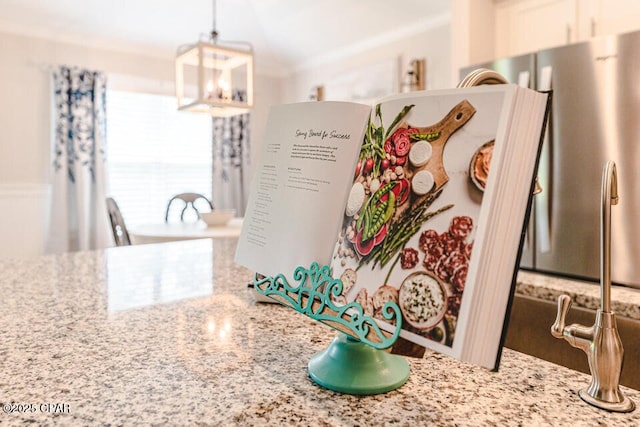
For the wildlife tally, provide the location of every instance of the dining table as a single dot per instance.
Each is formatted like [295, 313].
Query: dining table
[173, 231]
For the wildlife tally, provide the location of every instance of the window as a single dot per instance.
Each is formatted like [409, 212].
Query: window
[153, 153]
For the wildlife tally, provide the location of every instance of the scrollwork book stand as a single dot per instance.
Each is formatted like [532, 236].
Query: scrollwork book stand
[354, 362]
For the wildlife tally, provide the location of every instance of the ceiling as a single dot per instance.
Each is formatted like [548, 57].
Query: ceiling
[286, 35]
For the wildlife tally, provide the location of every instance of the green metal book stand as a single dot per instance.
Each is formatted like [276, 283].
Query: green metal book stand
[354, 362]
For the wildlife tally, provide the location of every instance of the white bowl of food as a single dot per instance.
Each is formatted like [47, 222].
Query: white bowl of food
[218, 217]
[423, 300]
[479, 165]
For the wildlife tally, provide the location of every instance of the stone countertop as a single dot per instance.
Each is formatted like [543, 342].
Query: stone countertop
[169, 334]
[625, 301]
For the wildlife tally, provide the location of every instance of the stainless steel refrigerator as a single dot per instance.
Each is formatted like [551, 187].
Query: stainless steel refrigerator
[595, 117]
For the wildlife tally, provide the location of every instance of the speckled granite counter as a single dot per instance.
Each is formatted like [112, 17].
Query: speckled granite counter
[625, 301]
[169, 335]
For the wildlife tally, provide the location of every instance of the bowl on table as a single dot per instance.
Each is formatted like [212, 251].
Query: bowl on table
[218, 217]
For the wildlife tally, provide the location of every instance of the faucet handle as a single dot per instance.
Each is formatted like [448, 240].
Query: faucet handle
[564, 303]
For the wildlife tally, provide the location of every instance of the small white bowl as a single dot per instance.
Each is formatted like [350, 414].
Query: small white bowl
[218, 217]
[424, 286]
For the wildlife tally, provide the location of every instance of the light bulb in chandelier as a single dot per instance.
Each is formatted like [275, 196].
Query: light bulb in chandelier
[225, 88]
[219, 89]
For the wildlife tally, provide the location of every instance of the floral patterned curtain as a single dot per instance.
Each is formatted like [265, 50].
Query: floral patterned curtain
[78, 207]
[231, 161]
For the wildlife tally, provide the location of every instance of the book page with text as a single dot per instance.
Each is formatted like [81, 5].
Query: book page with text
[300, 185]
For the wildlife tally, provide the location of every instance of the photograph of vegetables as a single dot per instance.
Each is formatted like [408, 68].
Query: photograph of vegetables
[399, 178]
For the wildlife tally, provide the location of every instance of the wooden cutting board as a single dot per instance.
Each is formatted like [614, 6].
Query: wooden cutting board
[454, 120]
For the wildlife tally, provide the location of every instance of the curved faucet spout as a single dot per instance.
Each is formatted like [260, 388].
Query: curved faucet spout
[608, 196]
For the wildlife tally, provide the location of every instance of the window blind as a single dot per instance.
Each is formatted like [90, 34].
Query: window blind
[153, 153]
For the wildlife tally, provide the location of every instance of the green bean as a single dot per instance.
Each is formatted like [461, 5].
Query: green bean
[401, 115]
[391, 202]
[362, 218]
[382, 191]
[371, 228]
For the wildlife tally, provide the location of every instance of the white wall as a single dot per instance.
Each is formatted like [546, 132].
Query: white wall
[25, 122]
[473, 41]
[25, 110]
[432, 43]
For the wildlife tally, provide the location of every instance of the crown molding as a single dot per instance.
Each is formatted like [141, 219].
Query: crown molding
[373, 42]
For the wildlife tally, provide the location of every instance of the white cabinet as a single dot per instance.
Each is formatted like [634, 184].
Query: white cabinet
[603, 17]
[524, 26]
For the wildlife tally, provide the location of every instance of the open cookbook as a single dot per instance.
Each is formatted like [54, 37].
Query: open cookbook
[421, 200]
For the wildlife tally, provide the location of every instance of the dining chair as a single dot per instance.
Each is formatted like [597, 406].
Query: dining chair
[189, 199]
[120, 233]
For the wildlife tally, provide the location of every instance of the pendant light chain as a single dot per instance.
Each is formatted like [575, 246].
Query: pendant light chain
[214, 31]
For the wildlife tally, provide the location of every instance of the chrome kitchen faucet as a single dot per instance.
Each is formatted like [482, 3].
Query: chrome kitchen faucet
[601, 341]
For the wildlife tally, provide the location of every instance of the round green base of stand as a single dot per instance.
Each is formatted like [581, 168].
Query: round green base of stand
[349, 366]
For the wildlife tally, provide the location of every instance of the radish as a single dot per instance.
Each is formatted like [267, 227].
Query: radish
[384, 165]
[358, 169]
[368, 166]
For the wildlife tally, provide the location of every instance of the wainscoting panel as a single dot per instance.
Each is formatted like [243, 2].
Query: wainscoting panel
[24, 217]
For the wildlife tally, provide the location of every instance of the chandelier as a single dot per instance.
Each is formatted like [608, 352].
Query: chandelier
[213, 78]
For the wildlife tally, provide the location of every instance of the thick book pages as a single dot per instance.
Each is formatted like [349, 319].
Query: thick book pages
[428, 215]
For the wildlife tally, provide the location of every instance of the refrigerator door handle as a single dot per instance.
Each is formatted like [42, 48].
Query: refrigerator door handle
[543, 205]
[524, 78]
